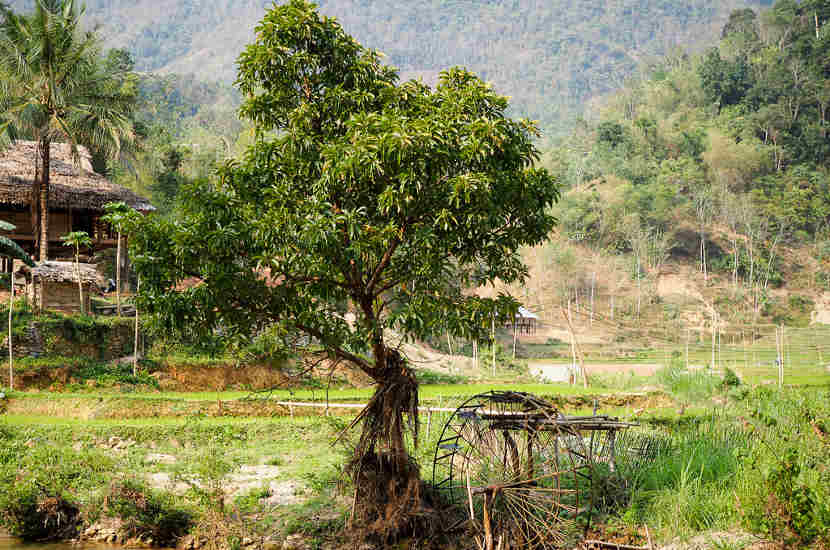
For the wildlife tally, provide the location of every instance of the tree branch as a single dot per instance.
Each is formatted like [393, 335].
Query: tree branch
[340, 352]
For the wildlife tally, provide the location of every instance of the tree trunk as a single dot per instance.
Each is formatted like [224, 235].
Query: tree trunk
[387, 482]
[45, 153]
[388, 497]
[80, 283]
[118, 276]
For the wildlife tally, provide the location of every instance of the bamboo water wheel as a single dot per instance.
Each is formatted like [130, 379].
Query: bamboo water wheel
[522, 471]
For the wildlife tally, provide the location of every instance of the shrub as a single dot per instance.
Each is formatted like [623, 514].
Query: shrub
[147, 513]
[35, 513]
[688, 386]
[730, 379]
[786, 509]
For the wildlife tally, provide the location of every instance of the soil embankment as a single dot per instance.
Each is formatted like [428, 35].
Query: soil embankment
[95, 407]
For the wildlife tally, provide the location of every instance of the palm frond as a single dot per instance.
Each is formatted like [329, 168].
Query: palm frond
[11, 249]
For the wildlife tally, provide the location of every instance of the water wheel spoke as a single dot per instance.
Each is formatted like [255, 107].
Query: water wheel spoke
[528, 463]
[544, 526]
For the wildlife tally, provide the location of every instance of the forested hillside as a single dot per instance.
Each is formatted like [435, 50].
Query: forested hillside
[719, 163]
[548, 56]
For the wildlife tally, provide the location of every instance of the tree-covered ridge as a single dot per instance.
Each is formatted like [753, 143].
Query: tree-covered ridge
[722, 157]
[548, 56]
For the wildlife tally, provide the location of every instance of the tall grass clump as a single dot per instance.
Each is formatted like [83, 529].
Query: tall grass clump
[688, 386]
[682, 482]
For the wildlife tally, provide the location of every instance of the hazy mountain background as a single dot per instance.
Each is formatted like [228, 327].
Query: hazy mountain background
[548, 55]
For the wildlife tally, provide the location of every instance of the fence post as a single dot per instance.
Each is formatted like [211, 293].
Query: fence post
[779, 344]
[687, 348]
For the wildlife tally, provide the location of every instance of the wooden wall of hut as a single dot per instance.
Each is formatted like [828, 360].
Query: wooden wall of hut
[60, 296]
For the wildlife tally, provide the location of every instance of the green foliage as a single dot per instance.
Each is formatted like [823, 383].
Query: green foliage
[58, 88]
[426, 376]
[10, 248]
[798, 197]
[724, 83]
[144, 511]
[689, 386]
[425, 185]
[789, 502]
[730, 379]
[550, 57]
[681, 488]
[106, 374]
[39, 482]
[32, 513]
[76, 239]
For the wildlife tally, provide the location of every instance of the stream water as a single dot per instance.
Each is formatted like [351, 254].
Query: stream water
[9, 543]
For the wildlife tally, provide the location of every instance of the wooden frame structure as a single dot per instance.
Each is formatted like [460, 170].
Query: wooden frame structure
[77, 195]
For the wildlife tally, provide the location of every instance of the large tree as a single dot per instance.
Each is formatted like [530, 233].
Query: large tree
[55, 87]
[359, 200]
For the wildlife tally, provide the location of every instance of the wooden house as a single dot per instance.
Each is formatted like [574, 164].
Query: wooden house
[54, 285]
[77, 195]
[526, 321]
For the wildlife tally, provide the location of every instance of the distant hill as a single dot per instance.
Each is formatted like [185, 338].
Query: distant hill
[550, 56]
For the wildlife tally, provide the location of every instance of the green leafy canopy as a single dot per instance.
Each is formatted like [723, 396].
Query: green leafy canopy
[361, 196]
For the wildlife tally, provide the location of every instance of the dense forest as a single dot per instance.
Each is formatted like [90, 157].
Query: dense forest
[720, 160]
[548, 56]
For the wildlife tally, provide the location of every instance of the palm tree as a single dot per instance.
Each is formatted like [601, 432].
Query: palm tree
[55, 87]
[77, 239]
[12, 250]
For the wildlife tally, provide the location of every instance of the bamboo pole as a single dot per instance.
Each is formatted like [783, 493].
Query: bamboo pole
[11, 349]
[493, 337]
[135, 345]
[577, 351]
[118, 276]
[780, 359]
[514, 338]
[687, 348]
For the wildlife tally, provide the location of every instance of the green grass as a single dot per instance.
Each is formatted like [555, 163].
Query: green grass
[428, 393]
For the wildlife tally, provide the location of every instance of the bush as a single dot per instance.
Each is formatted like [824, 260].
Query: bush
[685, 385]
[787, 509]
[34, 513]
[730, 379]
[147, 513]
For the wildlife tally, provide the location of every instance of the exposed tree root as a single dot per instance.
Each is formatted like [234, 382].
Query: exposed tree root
[391, 502]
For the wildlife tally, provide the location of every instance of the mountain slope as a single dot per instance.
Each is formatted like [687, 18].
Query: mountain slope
[549, 56]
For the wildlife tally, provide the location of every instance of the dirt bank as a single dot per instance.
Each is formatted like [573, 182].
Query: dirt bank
[117, 407]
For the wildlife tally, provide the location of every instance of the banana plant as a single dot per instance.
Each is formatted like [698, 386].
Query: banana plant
[77, 239]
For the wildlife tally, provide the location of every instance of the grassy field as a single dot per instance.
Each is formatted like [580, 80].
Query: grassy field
[435, 393]
[805, 353]
[724, 462]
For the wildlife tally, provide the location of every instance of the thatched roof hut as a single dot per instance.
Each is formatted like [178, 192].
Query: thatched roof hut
[73, 185]
[63, 272]
[54, 285]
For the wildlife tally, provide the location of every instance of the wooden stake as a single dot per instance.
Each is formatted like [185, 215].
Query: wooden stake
[576, 351]
[593, 283]
[135, 344]
[687, 348]
[514, 338]
[493, 336]
[488, 530]
[11, 349]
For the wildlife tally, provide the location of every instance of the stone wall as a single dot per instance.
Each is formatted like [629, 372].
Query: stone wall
[98, 340]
